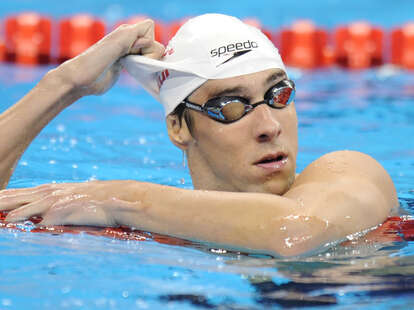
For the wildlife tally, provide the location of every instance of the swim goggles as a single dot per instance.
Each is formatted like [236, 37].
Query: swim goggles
[228, 109]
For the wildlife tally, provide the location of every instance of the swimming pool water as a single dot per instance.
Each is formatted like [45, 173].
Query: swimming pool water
[121, 135]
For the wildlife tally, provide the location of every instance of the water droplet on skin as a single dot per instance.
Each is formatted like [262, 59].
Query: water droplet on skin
[218, 251]
[359, 234]
[288, 242]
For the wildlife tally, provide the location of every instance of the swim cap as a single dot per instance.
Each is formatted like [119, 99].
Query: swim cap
[210, 46]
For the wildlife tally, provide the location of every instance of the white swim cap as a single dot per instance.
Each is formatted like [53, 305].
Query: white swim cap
[210, 46]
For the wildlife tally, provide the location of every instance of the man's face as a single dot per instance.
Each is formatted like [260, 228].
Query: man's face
[254, 154]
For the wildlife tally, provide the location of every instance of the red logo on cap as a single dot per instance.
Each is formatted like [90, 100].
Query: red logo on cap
[162, 76]
[168, 51]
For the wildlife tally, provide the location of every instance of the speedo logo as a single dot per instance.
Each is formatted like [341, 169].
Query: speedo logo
[233, 47]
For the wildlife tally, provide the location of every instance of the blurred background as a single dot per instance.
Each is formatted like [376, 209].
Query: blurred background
[354, 34]
[272, 13]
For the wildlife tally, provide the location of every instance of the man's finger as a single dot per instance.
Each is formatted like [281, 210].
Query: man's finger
[145, 29]
[31, 209]
[155, 50]
[128, 35]
[80, 211]
[138, 45]
[12, 199]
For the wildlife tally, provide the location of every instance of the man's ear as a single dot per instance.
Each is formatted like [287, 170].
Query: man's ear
[178, 132]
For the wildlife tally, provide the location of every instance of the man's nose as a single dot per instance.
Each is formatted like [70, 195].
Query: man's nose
[265, 126]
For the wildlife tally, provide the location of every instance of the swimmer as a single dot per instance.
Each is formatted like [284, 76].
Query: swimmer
[229, 106]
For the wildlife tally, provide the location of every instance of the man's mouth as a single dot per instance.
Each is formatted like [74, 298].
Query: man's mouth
[272, 162]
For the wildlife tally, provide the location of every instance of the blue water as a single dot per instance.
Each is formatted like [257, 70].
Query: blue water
[121, 135]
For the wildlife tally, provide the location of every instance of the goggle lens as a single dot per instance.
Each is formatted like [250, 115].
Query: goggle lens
[233, 110]
[281, 97]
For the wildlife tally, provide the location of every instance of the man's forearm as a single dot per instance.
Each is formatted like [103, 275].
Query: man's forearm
[21, 123]
[259, 222]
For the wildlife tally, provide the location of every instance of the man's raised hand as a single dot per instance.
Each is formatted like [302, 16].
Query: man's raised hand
[95, 71]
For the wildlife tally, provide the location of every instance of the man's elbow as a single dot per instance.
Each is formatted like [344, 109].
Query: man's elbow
[300, 235]
[291, 247]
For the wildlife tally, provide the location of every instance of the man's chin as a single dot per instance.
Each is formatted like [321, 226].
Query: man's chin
[274, 187]
[279, 185]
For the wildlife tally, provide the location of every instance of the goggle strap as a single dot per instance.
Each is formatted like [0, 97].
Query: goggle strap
[193, 106]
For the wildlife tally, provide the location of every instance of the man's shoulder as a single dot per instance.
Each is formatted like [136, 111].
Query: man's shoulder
[343, 163]
[347, 189]
[348, 166]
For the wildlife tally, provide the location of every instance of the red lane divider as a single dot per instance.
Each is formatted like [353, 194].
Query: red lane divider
[77, 33]
[2, 50]
[305, 46]
[402, 46]
[394, 229]
[120, 233]
[358, 45]
[28, 39]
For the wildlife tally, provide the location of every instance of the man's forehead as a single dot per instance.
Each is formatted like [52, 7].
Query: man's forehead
[241, 84]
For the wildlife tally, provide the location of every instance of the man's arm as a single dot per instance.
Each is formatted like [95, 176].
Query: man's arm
[20, 124]
[339, 194]
[92, 72]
